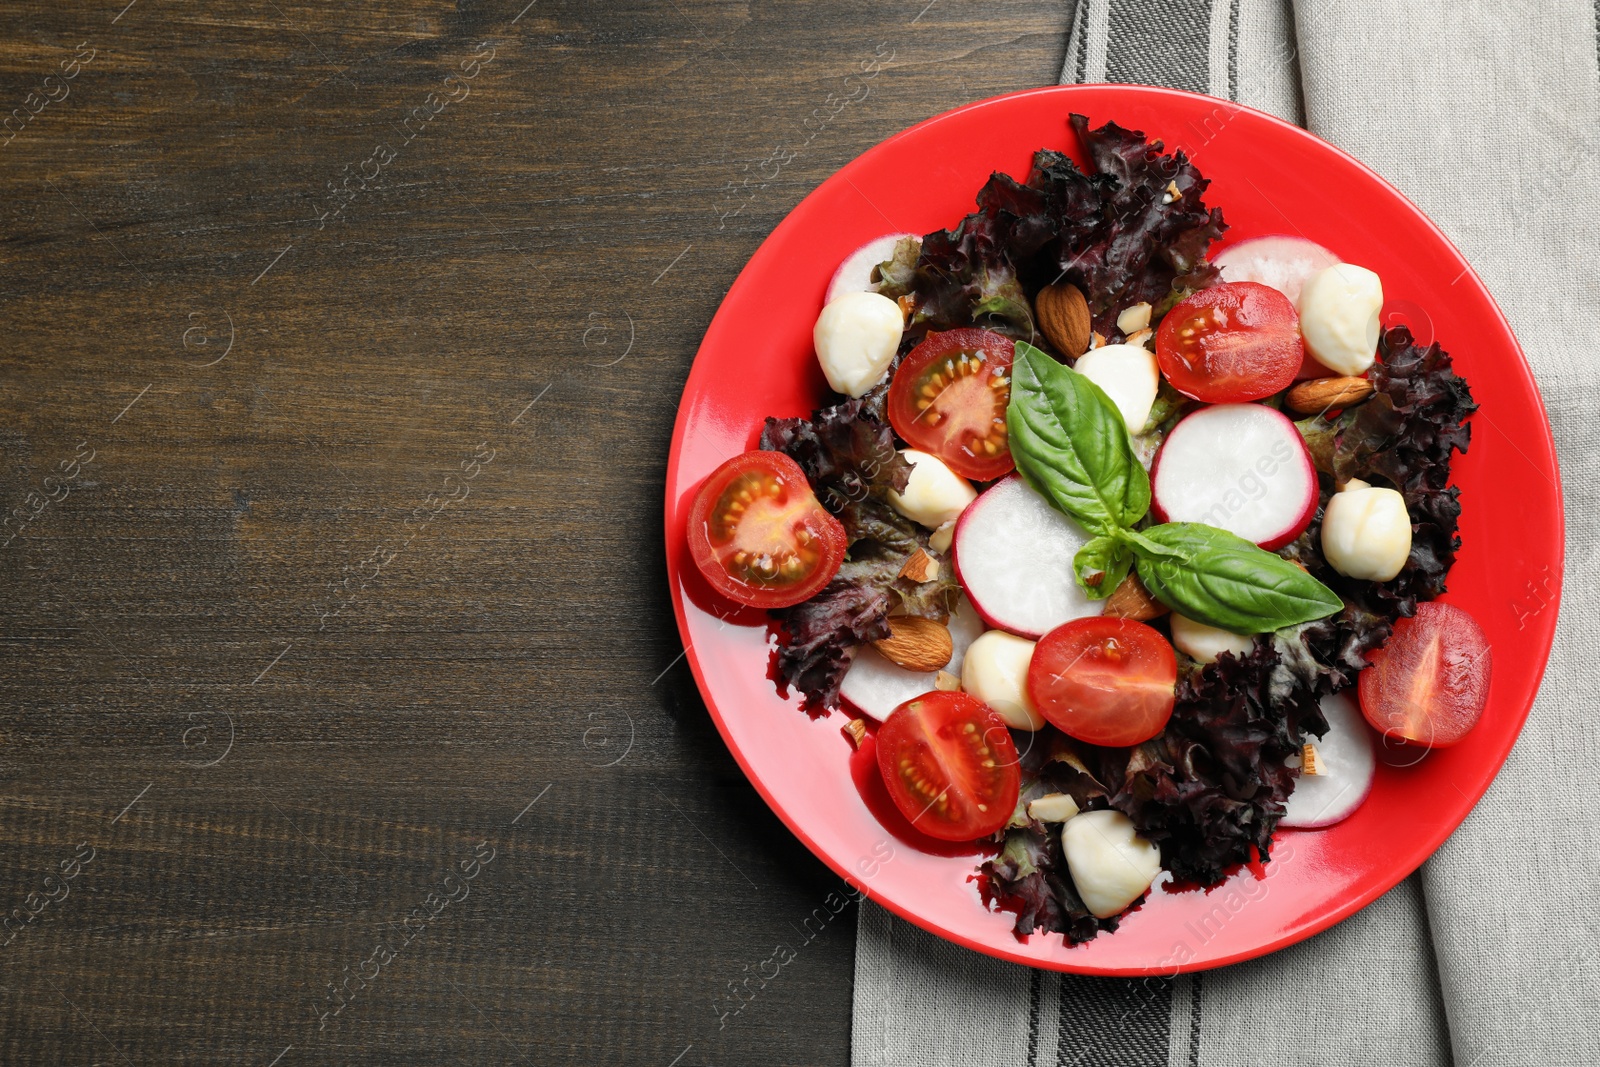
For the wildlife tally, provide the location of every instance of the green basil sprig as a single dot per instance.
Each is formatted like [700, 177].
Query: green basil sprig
[1221, 579]
[1071, 444]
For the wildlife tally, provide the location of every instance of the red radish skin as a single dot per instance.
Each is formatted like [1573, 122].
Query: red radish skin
[854, 274]
[1013, 555]
[1283, 262]
[1347, 754]
[1240, 467]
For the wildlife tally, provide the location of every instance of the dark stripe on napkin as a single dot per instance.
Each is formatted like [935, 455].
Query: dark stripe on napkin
[1080, 33]
[1160, 42]
[1035, 995]
[1194, 1019]
[1233, 50]
[1115, 1022]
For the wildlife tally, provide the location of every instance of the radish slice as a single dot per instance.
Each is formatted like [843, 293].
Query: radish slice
[1241, 467]
[1280, 261]
[1013, 554]
[875, 687]
[1348, 757]
[855, 273]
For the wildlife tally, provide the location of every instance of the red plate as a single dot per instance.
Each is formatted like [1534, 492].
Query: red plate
[1268, 177]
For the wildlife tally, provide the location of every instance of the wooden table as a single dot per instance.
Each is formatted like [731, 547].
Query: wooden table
[344, 718]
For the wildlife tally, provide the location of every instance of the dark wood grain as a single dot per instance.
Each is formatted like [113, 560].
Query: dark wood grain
[267, 649]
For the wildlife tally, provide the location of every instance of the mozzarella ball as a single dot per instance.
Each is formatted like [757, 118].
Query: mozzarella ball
[935, 494]
[1204, 643]
[856, 337]
[996, 672]
[1366, 532]
[1111, 864]
[1339, 308]
[1130, 377]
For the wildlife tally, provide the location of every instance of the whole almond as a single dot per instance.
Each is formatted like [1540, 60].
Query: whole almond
[1063, 314]
[916, 644]
[1325, 394]
[1131, 600]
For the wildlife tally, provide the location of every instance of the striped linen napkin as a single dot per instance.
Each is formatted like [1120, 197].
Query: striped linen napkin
[1487, 115]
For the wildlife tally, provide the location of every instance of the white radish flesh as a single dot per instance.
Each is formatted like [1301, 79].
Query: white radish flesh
[1240, 467]
[875, 687]
[1013, 554]
[1129, 375]
[1281, 261]
[855, 273]
[1348, 761]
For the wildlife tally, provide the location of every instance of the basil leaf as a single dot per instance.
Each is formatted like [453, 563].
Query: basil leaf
[1101, 565]
[1222, 580]
[1071, 443]
[1147, 547]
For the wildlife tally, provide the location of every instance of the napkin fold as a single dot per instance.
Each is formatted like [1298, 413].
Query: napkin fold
[1486, 115]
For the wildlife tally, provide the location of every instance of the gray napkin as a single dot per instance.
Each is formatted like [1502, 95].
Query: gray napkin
[1486, 116]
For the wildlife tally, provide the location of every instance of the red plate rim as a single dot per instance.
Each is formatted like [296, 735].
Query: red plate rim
[1534, 444]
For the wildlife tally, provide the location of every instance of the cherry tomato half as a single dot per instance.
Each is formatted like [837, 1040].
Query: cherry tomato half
[949, 397]
[950, 765]
[1104, 680]
[758, 534]
[1233, 342]
[1428, 684]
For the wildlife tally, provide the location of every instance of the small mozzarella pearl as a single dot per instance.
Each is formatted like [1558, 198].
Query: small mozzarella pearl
[1339, 308]
[1366, 532]
[996, 672]
[935, 494]
[1130, 377]
[856, 337]
[1111, 864]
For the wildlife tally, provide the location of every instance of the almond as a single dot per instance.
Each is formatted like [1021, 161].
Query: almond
[1135, 318]
[856, 731]
[946, 682]
[1064, 317]
[920, 567]
[1310, 762]
[1131, 600]
[916, 644]
[1325, 394]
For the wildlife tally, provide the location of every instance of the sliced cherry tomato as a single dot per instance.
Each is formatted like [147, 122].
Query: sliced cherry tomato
[1233, 342]
[758, 534]
[950, 765]
[949, 397]
[1104, 680]
[1428, 684]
